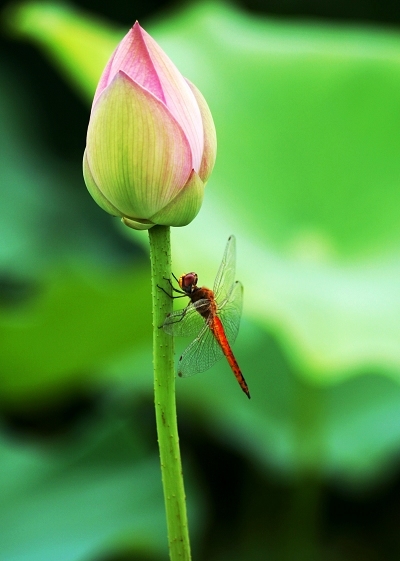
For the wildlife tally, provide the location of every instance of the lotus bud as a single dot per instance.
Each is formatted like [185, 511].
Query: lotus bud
[151, 141]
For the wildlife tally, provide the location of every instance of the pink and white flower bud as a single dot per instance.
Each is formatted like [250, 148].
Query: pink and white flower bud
[151, 141]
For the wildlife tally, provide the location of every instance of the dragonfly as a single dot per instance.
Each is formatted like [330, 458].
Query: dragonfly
[212, 317]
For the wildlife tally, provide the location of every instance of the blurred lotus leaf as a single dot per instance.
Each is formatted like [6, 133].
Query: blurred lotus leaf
[307, 177]
[307, 170]
[71, 502]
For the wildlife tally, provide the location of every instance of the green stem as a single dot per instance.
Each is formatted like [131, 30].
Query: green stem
[164, 398]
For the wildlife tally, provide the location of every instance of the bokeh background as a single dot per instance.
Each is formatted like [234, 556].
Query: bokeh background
[306, 101]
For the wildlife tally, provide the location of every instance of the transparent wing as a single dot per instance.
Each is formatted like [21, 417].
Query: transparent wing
[200, 355]
[205, 351]
[231, 312]
[226, 272]
[186, 322]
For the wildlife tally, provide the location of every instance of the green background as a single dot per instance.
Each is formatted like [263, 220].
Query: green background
[307, 178]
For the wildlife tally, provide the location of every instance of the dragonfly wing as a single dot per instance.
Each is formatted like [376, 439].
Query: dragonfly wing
[200, 355]
[186, 322]
[226, 272]
[231, 312]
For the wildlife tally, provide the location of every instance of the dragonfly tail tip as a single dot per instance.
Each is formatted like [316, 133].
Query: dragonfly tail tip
[246, 391]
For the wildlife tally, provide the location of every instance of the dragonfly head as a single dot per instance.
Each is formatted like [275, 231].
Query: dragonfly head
[188, 282]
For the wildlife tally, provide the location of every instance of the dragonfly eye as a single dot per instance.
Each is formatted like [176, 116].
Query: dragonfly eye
[188, 282]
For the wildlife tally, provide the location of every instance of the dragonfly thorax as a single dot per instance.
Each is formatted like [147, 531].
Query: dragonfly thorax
[188, 282]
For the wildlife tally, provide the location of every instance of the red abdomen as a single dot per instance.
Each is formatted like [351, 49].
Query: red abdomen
[219, 333]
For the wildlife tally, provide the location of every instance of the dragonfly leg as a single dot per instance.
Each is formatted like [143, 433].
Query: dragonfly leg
[173, 288]
[170, 295]
[182, 315]
[178, 320]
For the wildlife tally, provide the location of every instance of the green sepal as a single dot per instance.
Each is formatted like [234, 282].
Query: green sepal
[137, 224]
[185, 206]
